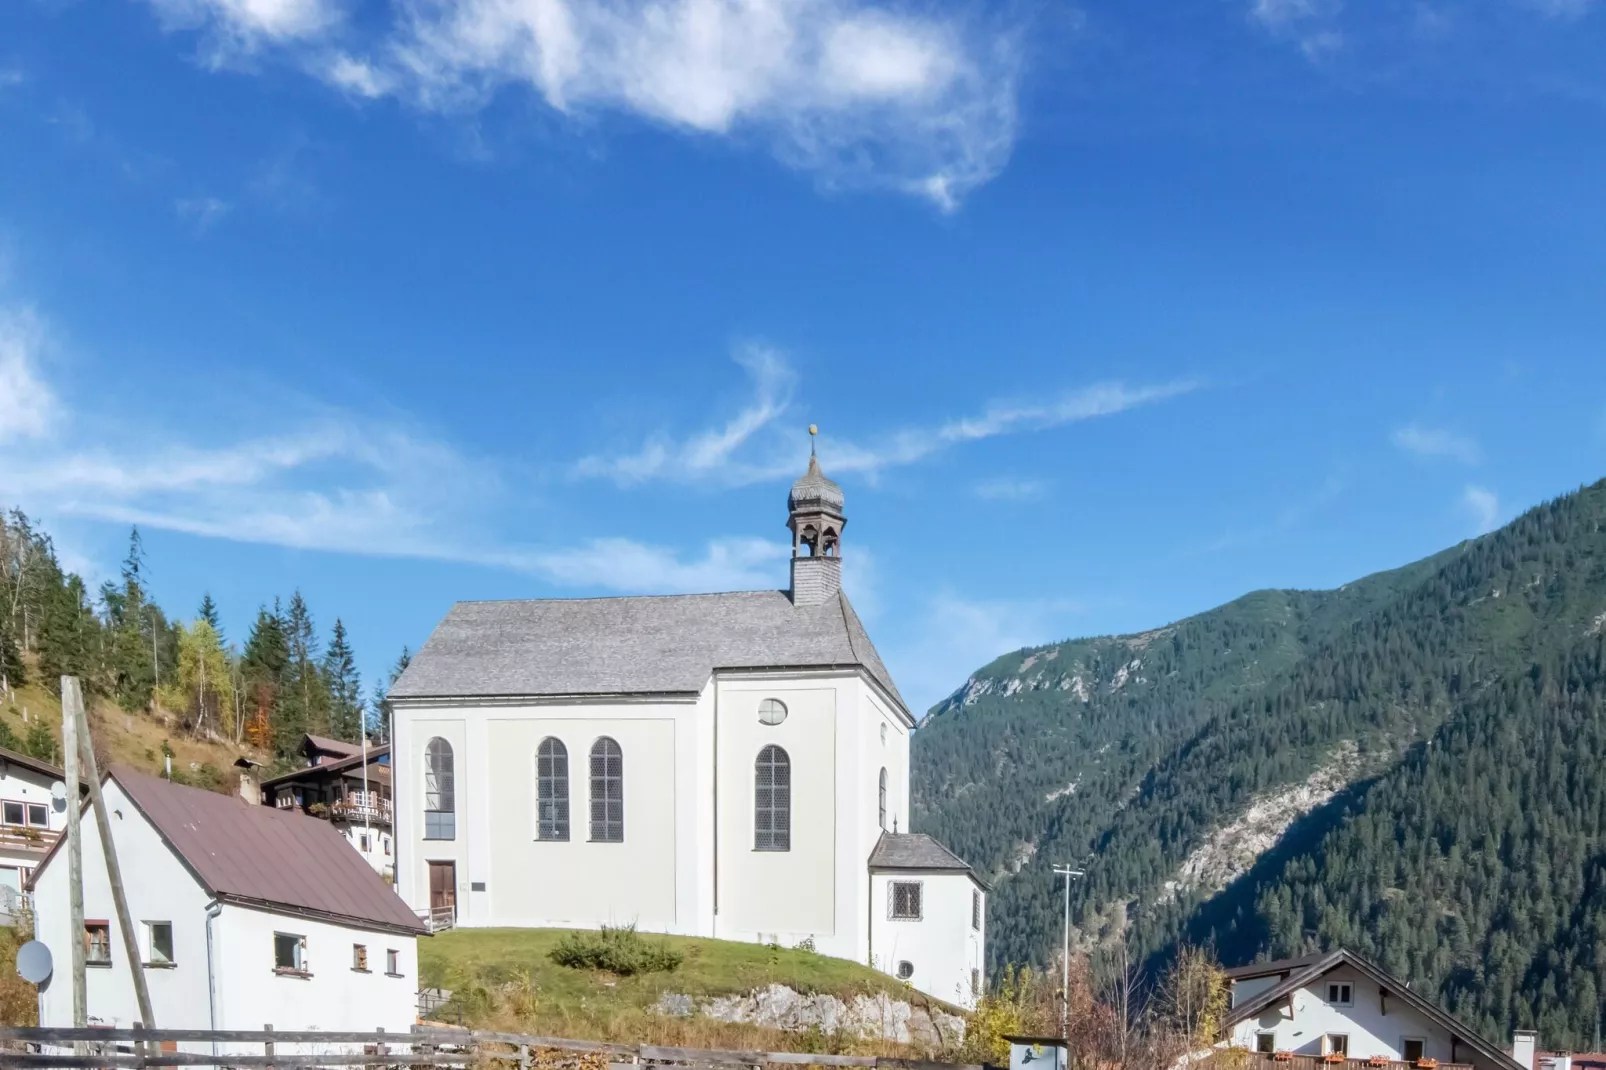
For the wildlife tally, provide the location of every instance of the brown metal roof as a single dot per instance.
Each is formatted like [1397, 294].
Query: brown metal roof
[29, 762]
[263, 856]
[332, 746]
[318, 772]
[1268, 969]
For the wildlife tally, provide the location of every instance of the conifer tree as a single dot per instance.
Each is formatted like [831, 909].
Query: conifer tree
[345, 686]
[379, 703]
[263, 668]
[208, 613]
[11, 666]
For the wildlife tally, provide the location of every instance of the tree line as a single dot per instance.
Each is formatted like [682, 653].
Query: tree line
[284, 680]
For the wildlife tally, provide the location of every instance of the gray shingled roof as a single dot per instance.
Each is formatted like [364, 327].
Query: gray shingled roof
[657, 644]
[913, 850]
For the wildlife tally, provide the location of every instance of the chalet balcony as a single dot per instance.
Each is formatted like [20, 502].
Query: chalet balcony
[359, 807]
[16, 837]
[1239, 1059]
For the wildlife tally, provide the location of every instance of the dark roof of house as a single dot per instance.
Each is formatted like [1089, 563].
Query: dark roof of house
[1323, 964]
[29, 762]
[332, 746]
[657, 644]
[339, 765]
[916, 851]
[260, 856]
[1267, 969]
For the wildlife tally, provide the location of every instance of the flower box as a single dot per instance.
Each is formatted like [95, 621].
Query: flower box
[1335, 1057]
[1282, 1057]
[1427, 1064]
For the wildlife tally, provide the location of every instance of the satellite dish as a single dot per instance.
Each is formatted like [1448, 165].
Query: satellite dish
[33, 962]
[58, 791]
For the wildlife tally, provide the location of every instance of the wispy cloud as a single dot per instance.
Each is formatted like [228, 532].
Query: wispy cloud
[28, 407]
[1310, 24]
[748, 448]
[1436, 442]
[1562, 10]
[855, 92]
[1010, 489]
[201, 212]
[336, 480]
[1484, 505]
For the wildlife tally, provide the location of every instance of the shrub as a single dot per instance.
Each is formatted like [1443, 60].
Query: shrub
[618, 950]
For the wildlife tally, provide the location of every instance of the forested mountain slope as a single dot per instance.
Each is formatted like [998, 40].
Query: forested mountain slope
[1399, 765]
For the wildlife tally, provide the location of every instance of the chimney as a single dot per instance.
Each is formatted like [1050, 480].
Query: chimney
[1524, 1046]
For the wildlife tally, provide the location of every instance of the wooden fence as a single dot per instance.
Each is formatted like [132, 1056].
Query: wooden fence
[424, 1046]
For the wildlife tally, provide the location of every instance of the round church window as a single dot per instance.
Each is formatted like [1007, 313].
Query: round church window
[771, 711]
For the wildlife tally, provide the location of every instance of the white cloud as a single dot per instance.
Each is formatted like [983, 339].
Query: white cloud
[1484, 505]
[1436, 442]
[1010, 489]
[750, 447]
[617, 564]
[1308, 23]
[28, 407]
[201, 212]
[858, 94]
[1562, 10]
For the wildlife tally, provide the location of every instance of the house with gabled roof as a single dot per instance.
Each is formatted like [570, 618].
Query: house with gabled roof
[1338, 1006]
[348, 785]
[731, 765]
[246, 916]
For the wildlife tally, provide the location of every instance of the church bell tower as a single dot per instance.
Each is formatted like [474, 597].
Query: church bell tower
[815, 518]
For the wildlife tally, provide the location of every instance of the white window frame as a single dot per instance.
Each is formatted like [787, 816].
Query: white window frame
[1266, 1035]
[359, 958]
[300, 945]
[1329, 1048]
[392, 962]
[1340, 994]
[1416, 1040]
[150, 945]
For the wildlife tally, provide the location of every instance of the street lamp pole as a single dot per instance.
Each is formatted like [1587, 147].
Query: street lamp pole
[1065, 954]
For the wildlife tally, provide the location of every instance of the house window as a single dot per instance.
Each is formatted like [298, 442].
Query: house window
[98, 943]
[772, 711]
[906, 970]
[38, 815]
[289, 953]
[1413, 1049]
[359, 957]
[1339, 995]
[159, 943]
[1338, 1044]
[905, 900]
[1266, 1043]
[975, 909]
[440, 792]
[552, 790]
[13, 813]
[393, 962]
[607, 792]
[772, 800]
[364, 844]
[882, 805]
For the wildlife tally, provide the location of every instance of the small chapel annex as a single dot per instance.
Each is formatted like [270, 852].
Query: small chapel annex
[722, 765]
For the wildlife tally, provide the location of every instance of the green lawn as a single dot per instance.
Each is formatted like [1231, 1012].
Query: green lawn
[497, 958]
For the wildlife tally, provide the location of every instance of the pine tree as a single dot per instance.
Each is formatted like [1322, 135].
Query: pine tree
[208, 613]
[132, 658]
[11, 667]
[379, 703]
[302, 705]
[345, 686]
[263, 668]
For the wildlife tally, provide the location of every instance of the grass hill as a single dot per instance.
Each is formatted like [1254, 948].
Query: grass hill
[1405, 764]
[507, 979]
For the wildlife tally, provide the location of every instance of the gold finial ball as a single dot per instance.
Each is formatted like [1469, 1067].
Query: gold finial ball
[813, 430]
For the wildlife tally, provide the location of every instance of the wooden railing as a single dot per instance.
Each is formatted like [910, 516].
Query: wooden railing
[358, 807]
[438, 919]
[424, 1046]
[29, 839]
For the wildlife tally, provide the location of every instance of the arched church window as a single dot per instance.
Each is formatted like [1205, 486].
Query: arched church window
[771, 711]
[828, 542]
[883, 733]
[772, 800]
[440, 791]
[607, 792]
[552, 790]
[883, 800]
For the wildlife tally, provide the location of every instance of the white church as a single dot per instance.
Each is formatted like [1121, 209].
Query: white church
[721, 765]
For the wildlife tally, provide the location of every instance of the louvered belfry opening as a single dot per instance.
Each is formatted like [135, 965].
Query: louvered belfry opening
[552, 789]
[607, 792]
[772, 800]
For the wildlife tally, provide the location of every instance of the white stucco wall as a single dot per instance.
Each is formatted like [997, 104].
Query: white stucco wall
[942, 945]
[249, 994]
[1371, 1029]
[27, 787]
[335, 997]
[159, 888]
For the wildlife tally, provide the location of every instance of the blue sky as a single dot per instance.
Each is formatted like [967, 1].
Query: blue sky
[1108, 313]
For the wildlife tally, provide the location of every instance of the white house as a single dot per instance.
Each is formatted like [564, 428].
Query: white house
[248, 916]
[1339, 1003]
[721, 765]
[347, 784]
[31, 819]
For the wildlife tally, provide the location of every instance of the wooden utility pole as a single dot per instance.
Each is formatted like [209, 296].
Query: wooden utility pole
[114, 872]
[72, 701]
